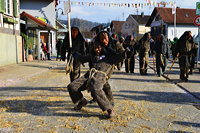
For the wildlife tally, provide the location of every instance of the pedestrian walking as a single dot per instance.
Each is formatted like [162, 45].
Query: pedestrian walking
[78, 46]
[144, 49]
[192, 58]
[58, 49]
[162, 54]
[185, 48]
[117, 45]
[120, 48]
[130, 43]
[44, 50]
[48, 51]
[173, 46]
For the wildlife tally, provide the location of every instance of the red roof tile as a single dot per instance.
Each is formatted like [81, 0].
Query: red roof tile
[183, 15]
[36, 20]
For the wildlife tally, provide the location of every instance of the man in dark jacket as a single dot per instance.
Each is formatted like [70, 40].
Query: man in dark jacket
[117, 45]
[58, 48]
[95, 79]
[119, 48]
[162, 54]
[185, 48]
[192, 58]
[144, 49]
[130, 43]
[173, 46]
[78, 46]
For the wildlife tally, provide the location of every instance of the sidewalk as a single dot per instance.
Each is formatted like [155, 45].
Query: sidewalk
[15, 73]
[193, 84]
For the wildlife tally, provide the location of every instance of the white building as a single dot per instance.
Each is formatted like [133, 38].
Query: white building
[162, 21]
[11, 42]
[45, 11]
[135, 25]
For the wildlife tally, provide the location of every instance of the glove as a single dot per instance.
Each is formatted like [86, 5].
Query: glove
[128, 49]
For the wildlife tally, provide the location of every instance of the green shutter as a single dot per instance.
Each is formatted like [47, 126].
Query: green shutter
[15, 8]
[2, 6]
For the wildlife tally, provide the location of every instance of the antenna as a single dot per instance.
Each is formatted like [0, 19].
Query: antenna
[137, 10]
[123, 16]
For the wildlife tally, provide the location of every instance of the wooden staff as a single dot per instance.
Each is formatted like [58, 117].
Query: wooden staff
[154, 64]
[173, 61]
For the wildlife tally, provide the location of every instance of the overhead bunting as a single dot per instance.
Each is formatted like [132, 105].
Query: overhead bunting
[128, 5]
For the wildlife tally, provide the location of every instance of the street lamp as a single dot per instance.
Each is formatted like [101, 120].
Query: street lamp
[62, 13]
[57, 10]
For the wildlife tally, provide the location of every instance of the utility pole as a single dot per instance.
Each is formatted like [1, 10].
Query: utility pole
[38, 44]
[174, 6]
[137, 11]
[138, 24]
[69, 24]
[175, 22]
[67, 10]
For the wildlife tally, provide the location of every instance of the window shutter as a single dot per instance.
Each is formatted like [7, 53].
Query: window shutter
[15, 8]
[2, 6]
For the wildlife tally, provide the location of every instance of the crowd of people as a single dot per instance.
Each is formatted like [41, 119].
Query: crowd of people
[107, 52]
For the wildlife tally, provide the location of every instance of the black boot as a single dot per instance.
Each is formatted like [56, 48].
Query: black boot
[110, 113]
[82, 103]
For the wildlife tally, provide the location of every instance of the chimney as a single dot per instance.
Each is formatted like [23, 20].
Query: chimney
[142, 14]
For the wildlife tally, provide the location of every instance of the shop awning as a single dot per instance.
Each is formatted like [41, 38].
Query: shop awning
[35, 22]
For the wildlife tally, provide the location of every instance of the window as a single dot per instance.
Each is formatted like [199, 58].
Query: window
[8, 7]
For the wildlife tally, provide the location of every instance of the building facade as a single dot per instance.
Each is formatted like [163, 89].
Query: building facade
[135, 25]
[162, 21]
[62, 30]
[45, 11]
[116, 27]
[11, 42]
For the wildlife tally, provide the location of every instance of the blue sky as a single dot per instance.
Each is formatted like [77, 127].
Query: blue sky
[104, 14]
